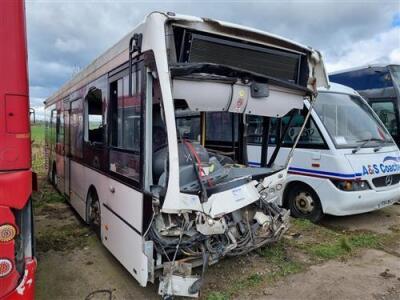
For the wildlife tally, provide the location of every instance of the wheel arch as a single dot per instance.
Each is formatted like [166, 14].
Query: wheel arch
[290, 185]
[91, 191]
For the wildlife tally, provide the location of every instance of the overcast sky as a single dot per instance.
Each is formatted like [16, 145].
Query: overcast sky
[65, 36]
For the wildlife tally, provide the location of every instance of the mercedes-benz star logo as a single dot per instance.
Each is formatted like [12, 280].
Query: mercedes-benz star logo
[388, 180]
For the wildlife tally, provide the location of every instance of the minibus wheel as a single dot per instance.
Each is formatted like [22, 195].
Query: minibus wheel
[304, 203]
[94, 216]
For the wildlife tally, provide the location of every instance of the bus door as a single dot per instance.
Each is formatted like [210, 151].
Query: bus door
[67, 109]
[74, 141]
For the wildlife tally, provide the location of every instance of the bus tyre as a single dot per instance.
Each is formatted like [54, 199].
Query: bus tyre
[54, 178]
[304, 203]
[94, 215]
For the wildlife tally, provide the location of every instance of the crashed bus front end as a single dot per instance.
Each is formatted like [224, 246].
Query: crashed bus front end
[209, 201]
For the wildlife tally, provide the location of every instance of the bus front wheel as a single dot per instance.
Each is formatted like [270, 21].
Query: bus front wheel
[304, 203]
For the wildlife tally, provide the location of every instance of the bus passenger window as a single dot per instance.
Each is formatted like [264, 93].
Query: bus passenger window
[310, 136]
[387, 113]
[94, 116]
[60, 128]
[255, 130]
[126, 112]
[76, 128]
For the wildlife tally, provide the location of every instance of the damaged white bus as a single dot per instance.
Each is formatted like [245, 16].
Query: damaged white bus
[166, 196]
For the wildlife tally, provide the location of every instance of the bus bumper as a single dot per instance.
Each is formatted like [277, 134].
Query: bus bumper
[341, 203]
[26, 288]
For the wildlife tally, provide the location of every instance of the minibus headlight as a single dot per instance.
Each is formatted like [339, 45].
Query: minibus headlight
[7, 233]
[351, 185]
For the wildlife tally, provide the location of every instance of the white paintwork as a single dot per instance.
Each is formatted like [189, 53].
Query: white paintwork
[338, 162]
[126, 245]
[279, 102]
[125, 201]
[203, 95]
[228, 201]
[123, 242]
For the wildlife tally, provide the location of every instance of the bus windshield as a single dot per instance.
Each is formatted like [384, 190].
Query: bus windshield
[350, 121]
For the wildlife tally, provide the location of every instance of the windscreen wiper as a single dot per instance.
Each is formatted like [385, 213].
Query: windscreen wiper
[364, 142]
[379, 147]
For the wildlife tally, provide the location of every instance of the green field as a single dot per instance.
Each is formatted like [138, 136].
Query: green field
[37, 133]
[38, 158]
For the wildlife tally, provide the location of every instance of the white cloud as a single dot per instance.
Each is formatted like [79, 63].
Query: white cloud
[68, 45]
[394, 56]
[384, 48]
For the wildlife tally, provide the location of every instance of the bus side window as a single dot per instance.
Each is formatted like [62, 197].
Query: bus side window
[310, 136]
[387, 113]
[60, 127]
[255, 130]
[126, 116]
[76, 129]
[94, 116]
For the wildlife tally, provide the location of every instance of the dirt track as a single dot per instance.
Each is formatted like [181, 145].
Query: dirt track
[73, 264]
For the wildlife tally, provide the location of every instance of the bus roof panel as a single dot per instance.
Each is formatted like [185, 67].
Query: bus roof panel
[118, 54]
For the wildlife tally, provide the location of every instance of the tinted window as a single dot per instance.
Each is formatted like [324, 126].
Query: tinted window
[76, 128]
[255, 130]
[219, 126]
[387, 113]
[60, 127]
[126, 115]
[372, 78]
[310, 135]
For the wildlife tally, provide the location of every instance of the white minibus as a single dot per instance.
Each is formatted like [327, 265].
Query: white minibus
[345, 163]
[164, 198]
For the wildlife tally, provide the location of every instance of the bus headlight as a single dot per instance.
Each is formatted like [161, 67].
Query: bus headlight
[351, 185]
[7, 233]
[5, 267]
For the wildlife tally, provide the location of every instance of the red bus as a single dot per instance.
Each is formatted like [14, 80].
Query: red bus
[17, 261]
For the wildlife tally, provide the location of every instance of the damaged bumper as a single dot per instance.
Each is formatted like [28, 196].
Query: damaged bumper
[249, 220]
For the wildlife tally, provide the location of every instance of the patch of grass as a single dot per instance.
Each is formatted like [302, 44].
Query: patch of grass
[365, 240]
[282, 264]
[339, 245]
[46, 195]
[250, 281]
[37, 133]
[63, 238]
[217, 296]
[302, 224]
[285, 269]
[274, 253]
[253, 280]
[327, 250]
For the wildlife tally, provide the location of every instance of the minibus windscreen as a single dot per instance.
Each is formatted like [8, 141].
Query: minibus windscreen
[350, 121]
